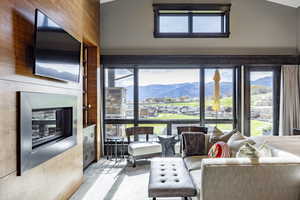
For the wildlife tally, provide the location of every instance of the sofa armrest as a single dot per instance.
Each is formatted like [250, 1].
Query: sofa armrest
[243, 178]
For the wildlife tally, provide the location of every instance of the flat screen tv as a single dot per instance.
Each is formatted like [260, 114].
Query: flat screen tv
[57, 53]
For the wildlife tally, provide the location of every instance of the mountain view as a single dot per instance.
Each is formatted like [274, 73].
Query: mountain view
[188, 89]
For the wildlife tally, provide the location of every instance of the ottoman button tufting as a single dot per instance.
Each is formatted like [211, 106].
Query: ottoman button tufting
[170, 178]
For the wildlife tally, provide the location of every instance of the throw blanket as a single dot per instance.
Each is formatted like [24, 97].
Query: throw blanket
[193, 144]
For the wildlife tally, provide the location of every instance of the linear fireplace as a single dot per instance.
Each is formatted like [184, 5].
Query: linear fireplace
[47, 127]
[50, 124]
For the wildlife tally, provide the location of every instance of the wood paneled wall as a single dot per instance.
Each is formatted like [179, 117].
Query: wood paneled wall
[59, 177]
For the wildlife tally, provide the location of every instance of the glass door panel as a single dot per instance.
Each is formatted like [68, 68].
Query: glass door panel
[261, 103]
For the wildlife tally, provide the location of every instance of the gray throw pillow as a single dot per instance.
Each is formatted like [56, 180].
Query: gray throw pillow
[193, 144]
[218, 136]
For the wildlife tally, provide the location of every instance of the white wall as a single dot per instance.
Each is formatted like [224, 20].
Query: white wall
[257, 27]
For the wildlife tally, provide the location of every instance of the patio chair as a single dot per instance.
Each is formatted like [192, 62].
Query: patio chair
[141, 149]
[182, 129]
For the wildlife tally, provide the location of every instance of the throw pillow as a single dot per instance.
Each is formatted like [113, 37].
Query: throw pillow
[248, 151]
[265, 151]
[217, 135]
[236, 141]
[219, 150]
[193, 143]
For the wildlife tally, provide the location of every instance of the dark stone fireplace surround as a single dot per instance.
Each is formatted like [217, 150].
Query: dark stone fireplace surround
[29, 157]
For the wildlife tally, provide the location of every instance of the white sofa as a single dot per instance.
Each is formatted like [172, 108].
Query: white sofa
[269, 178]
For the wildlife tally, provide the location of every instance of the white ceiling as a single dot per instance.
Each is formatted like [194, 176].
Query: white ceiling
[105, 1]
[292, 3]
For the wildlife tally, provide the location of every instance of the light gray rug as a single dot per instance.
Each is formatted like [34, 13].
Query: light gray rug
[132, 184]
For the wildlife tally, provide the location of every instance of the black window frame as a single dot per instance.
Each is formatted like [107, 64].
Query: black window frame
[222, 10]
[276, 69]
[202, 121]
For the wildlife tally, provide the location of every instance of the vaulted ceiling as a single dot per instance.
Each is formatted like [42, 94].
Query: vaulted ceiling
[292, 3]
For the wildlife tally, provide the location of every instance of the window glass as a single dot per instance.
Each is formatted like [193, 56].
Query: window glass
[219, 106]
[222, 127]
[166, 94]
[173, 24]
[261, 94]
[207, 24]
[159, 129]
[119, 93]
[113, 130]
[174, 127]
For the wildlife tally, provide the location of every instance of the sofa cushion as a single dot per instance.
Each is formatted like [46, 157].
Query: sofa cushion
[196, 177]
[144, 148]
[194, 162]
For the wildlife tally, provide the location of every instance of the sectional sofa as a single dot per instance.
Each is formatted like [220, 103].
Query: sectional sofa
[276, 177]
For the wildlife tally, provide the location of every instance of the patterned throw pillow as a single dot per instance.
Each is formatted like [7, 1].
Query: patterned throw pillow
[236, 141]
[247, 151]
[219, 150]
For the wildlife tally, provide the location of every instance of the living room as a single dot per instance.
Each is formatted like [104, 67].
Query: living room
[150, 99]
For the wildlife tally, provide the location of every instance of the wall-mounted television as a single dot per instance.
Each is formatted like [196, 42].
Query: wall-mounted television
[57, 53]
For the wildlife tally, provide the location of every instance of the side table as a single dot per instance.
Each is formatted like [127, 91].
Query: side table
[168, 145]
[113, 149]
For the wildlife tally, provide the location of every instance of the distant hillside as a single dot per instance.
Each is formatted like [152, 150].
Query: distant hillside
[188, 89]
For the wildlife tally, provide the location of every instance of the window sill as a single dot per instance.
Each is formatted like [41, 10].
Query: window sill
[194, 35]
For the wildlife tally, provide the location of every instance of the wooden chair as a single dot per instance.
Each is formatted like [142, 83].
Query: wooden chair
[138, 149]
[182, 129]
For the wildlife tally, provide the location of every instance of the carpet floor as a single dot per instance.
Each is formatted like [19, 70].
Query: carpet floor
[132, 184]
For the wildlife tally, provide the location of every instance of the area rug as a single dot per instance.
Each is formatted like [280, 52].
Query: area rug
[132, 184]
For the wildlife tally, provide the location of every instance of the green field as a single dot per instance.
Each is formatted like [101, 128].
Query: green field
[227, 101]
[257, 126]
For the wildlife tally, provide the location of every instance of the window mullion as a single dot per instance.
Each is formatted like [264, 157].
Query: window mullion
[202, 96]
[136, 97]
[222, 24]
[190, 23]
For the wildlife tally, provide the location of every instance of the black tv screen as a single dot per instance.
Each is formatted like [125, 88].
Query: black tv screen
[57, 53]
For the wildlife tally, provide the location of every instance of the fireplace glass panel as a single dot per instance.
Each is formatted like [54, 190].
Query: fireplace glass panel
[50, 125]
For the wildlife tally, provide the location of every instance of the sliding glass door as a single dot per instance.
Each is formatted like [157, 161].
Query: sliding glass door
[262, 100]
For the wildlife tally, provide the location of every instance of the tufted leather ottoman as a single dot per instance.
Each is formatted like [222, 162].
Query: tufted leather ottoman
[170, 178]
